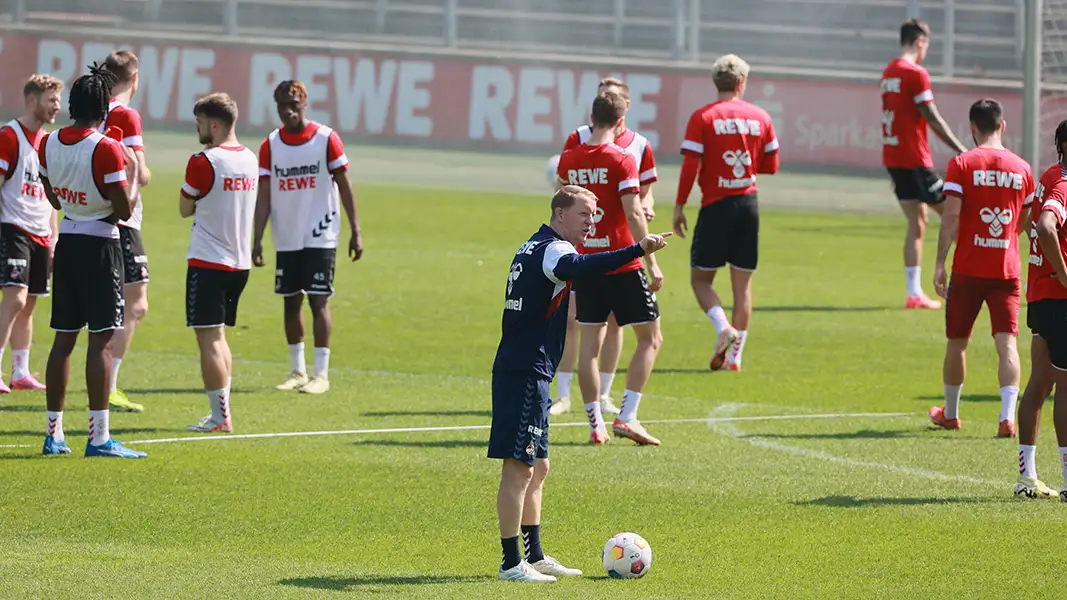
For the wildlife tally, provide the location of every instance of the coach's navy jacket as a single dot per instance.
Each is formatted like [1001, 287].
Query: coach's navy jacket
[534, 325]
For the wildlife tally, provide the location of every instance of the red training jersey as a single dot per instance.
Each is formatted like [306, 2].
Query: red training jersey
[733, 139]
[1041, 280]
[905, 86]
[994, 186]
[610, 173]
[633, 143]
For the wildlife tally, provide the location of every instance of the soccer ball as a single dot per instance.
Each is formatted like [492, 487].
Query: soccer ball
[627, 556]
[550, 172]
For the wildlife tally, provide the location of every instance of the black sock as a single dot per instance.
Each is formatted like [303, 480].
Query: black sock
[512, 554]
[531, 540]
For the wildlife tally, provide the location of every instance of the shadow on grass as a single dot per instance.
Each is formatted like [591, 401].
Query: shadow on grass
[854, 502]
[161, 391]
[424, 443]
[865, 434]
[814, 308]
[84, 433]
[23, 407]
[342, 584]
[430, 413]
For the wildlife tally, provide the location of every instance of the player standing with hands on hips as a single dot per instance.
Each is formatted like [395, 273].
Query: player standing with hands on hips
[533, 331]
[304, 173]
[85, 175]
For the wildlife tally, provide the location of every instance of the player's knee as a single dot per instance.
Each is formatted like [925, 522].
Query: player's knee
[540, 471]
[101, 341]
[701, 277]
[137, 310]
[15, 298]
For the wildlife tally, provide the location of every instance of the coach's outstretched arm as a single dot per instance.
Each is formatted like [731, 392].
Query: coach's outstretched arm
[570, 265]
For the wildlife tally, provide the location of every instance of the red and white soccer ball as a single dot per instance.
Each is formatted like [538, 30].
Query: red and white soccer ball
[627, 556]
[550, 172]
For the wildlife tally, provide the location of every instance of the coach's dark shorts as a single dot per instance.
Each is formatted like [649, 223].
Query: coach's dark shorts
[87, 284]
[520, 416]
[625, 294]
[308, 271]
[727, 233]
[24, 262]
[967, 294]
[212, 296]
[134, 259]
[920, 184]
[1048, 319]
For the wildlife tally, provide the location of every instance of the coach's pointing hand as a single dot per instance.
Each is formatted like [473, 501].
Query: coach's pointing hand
[680, 224]
[652, 242]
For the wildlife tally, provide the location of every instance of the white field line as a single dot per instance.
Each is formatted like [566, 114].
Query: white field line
[723, 421]
[709, 420]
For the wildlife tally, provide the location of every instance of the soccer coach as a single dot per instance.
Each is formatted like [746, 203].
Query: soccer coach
[534, 328]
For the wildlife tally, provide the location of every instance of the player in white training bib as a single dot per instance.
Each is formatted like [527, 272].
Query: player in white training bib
[28, 226]
[85, 175]
[220, 194]
[304, 181]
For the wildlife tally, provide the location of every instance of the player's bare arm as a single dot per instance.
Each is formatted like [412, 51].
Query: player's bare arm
[348, 201]
[144, 177]
[648, 201]
[50, 194]
[1049, 238]
[635, 218]
[186, 205]
[950, 224]
[941, 129]
[262, 216]
[120, 200]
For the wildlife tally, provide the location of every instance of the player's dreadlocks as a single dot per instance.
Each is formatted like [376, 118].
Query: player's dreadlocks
[90, 95]
[290, 87]
[1061, 138]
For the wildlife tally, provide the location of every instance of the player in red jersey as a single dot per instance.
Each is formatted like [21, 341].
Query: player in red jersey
[988, 194]
[123, 64]
[611, 174]
[640, 148]
[727, 143]
[28, 226]
[907, 108]
[1046, 316]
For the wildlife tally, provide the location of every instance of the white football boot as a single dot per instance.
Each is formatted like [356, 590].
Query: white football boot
[524, 572]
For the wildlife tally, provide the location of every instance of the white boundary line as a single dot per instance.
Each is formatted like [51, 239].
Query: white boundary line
[709, 420]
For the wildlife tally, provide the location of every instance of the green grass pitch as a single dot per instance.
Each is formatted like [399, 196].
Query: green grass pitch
[797, 507]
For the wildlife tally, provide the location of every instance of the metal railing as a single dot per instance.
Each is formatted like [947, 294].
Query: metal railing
[972, 37]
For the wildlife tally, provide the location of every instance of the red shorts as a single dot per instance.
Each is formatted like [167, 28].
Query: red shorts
[966, 295]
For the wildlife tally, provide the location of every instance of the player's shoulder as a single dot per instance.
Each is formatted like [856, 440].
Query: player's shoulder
[755, 112]
[1054, 174]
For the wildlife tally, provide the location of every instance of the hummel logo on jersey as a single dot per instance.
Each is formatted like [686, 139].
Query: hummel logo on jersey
[592, 241]
[292, 179]
[513, 276]
[997, 219]
[740, 161]
[324, 224]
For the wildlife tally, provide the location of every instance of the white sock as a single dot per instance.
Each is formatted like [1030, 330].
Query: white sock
[55, 425]
[1009, 394]
[20, 364]
[738, 347]
[630, 401]
[322, 362]
[952, 401]
[606, 379]
[1027, 468]
[717, 316]
[563, 384]
[914, 279]
[116, 364]
[596, 419]
[1063, 461]
[220, 404]
[296, 358]
[99, 427]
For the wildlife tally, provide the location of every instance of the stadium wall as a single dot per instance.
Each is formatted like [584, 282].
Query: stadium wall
[490, 102]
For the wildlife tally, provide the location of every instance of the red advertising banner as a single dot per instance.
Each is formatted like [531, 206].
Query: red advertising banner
[482, 102]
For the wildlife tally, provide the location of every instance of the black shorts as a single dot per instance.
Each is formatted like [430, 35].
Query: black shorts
[87, 280]
[24, 262]
[134, 259]
[520, 416]
[920, 184]
[625, 294]
[1048, 319]
[305, 271]
[727, 233]
[211, 296]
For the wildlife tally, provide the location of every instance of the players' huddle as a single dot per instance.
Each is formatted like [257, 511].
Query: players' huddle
[93, 171]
